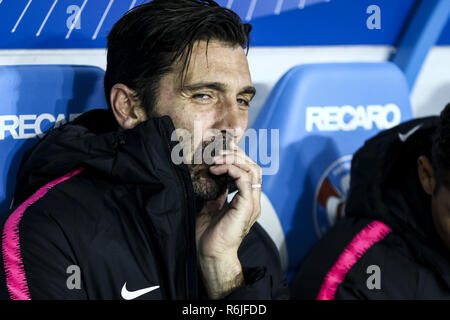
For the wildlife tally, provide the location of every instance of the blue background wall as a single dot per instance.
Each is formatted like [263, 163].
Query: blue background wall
[276, 22]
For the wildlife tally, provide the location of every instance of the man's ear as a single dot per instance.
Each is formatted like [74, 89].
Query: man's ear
[426, 174]
[126, 107]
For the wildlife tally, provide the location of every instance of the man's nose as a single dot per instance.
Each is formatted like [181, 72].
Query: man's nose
[229, 116]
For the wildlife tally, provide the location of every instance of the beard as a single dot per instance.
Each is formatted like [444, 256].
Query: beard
[206, 185]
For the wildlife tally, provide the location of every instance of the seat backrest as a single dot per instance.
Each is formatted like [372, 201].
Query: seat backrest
[324, 113]
[34, 99]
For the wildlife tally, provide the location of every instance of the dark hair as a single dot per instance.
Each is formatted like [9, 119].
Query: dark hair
[145, 43]
[441, 149]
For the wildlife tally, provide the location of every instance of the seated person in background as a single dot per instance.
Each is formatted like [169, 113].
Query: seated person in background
[394, 242]
[102, 209]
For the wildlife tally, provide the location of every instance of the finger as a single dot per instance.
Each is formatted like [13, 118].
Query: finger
[232, 159]
[241, 160]
[251, 196]
[253, 169]
[241, 177]
[245, 162]
[256, 176]
[238, 151]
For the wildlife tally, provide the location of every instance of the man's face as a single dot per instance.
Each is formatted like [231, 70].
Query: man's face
[440, 205]
[440, 197]
[216, 94]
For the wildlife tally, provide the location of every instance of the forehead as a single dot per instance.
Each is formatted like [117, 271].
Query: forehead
[218, 61]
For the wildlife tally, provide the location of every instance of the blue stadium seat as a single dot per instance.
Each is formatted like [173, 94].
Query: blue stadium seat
[34, 99]
[324, 113]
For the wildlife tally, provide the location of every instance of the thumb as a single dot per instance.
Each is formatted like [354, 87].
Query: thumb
[216, 204]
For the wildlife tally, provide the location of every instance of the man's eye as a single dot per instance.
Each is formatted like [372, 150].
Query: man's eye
[202, 96]
[243, 102]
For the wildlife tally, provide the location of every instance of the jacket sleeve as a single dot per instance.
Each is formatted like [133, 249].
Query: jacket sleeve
[37, 261]
[263, 275]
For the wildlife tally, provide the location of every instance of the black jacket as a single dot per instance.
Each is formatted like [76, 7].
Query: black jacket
[124, 214]
[388, 225]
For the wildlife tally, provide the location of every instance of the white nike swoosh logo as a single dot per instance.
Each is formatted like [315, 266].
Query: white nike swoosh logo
[130, 295]
[404, 137]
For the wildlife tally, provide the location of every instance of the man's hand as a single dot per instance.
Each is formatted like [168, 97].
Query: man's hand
[221, 228]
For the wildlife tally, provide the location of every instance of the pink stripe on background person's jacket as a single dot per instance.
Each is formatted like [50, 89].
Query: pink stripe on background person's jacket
[364, 240]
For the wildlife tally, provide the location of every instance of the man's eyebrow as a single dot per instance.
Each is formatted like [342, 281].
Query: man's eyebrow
[218, 87]
[205, 85]
[249, 90]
